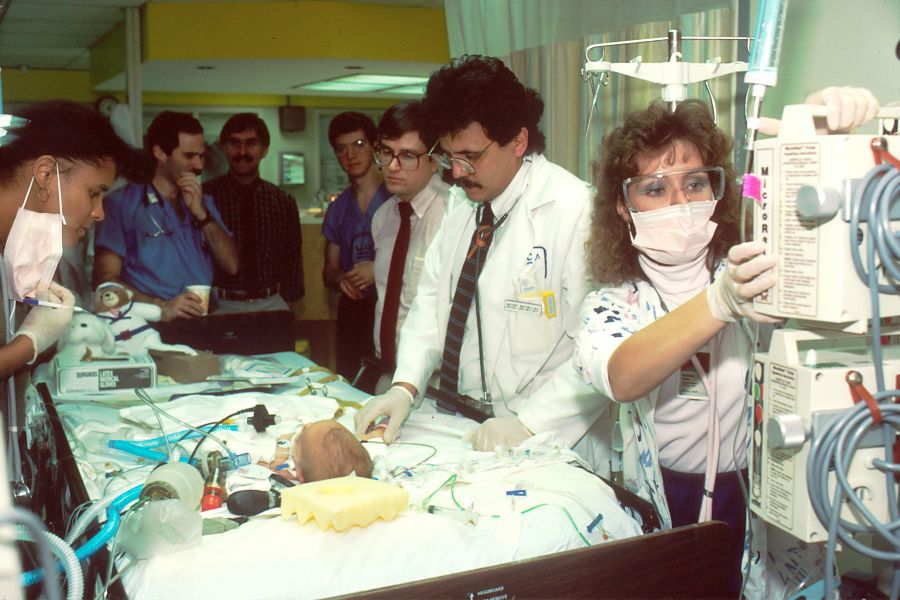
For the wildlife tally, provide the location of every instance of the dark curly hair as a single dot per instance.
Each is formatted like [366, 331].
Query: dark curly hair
[612, 257]
[481, 89]
[78, 133]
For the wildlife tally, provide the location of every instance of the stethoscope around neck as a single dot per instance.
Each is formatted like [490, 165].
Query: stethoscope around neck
[483, 232]
[714, 435]
[151, 198]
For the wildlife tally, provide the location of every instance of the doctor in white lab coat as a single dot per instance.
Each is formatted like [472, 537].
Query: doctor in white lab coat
[486, 123]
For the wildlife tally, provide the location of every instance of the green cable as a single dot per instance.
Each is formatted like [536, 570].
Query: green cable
[453, 494]
[452, 480]
[571, 520]
[449, 480]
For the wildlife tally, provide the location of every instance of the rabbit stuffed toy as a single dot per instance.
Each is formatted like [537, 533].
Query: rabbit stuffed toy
[87, 338]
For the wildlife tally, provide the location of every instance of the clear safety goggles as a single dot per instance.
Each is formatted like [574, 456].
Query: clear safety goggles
[659, 190]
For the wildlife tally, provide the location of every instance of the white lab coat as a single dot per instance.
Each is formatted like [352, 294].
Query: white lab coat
[527, 357]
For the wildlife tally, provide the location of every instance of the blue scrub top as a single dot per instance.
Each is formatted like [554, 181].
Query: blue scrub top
[161, 253]
[347, 227]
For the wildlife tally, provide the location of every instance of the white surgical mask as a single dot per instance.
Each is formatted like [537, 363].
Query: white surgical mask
[33, 247]
[674, 235]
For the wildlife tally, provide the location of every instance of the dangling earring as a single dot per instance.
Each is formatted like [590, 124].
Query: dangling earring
[46, 195]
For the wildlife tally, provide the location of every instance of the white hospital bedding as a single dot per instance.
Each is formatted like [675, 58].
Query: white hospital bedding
[275, 558]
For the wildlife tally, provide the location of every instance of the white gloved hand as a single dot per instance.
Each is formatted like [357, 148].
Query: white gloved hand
[495, 432]
[747, 274]
[848, 107]
[395, 404]
[44, 324]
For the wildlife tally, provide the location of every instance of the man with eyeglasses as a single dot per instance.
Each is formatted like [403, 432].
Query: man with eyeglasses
[405, 225]
[499, 296]
[265, 222]
[160, 237]
[349, 248]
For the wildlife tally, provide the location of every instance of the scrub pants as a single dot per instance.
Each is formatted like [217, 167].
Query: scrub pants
[684, 492]
[355, 326]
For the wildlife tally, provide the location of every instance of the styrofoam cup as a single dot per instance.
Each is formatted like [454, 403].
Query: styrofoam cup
[202, 291]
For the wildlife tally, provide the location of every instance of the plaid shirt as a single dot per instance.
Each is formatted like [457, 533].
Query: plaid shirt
[265, 223]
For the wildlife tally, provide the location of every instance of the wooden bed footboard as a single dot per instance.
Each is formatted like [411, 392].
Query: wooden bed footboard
[688, 562]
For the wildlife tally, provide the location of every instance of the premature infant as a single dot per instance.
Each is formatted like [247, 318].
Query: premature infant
[327, 449]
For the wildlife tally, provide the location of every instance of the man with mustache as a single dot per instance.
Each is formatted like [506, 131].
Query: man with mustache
[160, 237]
[264, 220]
[500, 293]
[349, 248]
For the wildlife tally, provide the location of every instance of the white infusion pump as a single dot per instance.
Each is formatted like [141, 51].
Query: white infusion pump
[803, 216]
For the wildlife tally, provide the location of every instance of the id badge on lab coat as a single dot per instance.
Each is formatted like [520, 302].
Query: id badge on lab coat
[689, 383]
[534, 306]
[532, 293]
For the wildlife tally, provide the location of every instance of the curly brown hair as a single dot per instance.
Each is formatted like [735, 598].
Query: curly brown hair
[612, 258]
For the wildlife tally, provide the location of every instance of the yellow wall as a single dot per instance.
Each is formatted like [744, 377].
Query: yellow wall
[311, 29]
[248, 30]
[46, 84]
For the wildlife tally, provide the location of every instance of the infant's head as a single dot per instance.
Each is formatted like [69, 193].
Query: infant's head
[327, 449]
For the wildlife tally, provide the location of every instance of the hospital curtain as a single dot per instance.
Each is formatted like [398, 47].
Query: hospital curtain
[543, 42]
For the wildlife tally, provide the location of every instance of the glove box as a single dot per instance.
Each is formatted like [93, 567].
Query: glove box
[74, 376]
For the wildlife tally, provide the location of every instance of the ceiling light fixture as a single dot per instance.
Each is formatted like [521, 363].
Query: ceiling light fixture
[363, 83]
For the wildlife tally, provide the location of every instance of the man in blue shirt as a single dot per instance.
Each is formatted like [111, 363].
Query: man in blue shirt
[160, 237]
[349, 249]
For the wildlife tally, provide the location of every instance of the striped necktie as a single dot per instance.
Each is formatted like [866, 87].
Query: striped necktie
[388, 333]
[462, 300]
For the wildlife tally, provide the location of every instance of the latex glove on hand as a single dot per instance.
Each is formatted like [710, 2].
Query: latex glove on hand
[847, 107]
[395, 404]
[495, 432]
[44, 324]
[747, 273]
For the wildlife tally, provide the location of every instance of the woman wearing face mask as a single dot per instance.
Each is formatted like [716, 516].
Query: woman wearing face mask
[664, 336]
[54, 171]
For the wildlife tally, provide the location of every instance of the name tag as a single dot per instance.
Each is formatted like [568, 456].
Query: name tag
[690, 385]
[531, 308]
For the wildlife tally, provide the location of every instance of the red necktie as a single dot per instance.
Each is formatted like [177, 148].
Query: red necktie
[394, 286]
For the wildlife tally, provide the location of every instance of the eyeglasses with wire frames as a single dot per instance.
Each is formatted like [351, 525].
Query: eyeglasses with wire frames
[407, 159]
[467, 163]
[658, 190]
[344, 149]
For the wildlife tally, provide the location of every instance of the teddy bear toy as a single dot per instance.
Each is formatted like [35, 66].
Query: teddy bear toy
[129, 320]
[87, 338]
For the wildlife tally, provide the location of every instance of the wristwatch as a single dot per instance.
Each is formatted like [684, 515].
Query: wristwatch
[204, 222]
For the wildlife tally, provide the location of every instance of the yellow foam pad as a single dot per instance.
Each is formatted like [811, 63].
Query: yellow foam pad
[343, 502]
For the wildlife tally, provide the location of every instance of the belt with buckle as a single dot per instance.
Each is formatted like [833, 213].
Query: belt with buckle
[246, 294]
